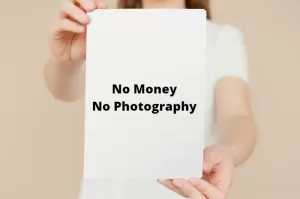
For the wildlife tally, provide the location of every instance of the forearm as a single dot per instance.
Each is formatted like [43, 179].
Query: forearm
[64, 79]
[238, 136]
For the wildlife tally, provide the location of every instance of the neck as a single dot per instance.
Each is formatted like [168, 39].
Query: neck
[156, 4]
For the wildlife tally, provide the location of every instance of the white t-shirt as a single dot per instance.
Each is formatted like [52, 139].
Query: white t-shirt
[226, 57]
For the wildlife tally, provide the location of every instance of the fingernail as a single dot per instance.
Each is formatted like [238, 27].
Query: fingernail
[161, 181]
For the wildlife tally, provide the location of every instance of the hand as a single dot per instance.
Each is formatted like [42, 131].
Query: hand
[217, 177]
[69, 32]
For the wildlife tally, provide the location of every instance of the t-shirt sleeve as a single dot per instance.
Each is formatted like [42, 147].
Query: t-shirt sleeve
[231, 58]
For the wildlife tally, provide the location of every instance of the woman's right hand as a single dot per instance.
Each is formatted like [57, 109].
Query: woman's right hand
[68, 37]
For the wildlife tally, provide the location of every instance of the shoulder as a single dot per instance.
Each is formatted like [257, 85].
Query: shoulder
[224, 34]
[227, 50]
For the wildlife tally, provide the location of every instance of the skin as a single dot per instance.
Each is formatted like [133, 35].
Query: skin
[64, 75]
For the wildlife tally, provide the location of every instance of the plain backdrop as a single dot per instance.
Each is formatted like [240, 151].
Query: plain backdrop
[41, 139]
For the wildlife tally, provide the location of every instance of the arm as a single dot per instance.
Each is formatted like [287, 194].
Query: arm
[63, 73]
[234, 122]
[65, 80]
[234, 118]
[237, 133]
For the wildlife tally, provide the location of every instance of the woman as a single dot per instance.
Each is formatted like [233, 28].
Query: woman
[234, 124]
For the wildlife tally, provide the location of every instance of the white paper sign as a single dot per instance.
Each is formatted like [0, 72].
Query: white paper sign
[145, 93]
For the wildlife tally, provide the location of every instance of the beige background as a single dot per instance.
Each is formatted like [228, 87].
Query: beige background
[41, 139]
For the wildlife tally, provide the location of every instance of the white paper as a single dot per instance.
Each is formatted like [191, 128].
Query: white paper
[165, 48]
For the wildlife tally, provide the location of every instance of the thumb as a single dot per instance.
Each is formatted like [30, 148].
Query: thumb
[208, 165]
[210, 159]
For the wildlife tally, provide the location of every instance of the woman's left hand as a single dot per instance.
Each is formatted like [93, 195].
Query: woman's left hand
[216, 181]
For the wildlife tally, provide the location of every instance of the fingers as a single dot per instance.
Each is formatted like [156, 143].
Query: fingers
[76, 10]
[87, 5]
[207, 189]
[68, 25]
[90, 5]
[188, 189]
[74, 16]
[169, 185]
[194, 188]
[69, 10]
